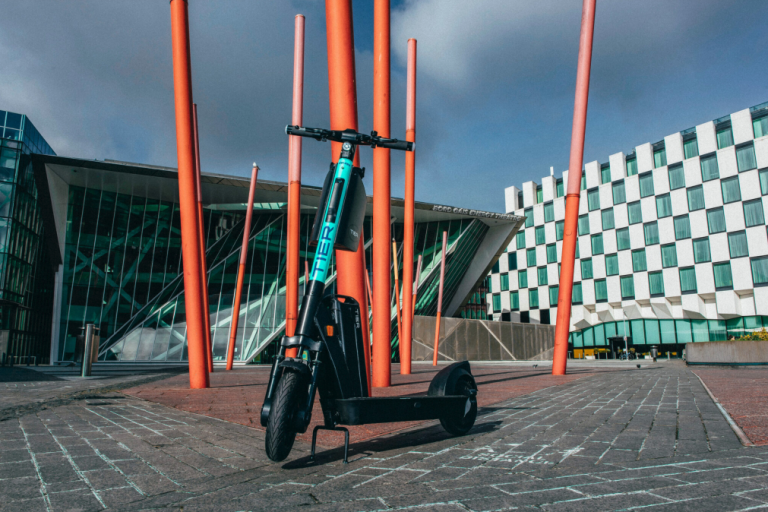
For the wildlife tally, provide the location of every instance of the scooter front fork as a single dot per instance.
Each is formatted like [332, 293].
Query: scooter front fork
[305, 413]
[274, 377]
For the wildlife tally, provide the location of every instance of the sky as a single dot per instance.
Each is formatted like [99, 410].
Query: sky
[494, 96]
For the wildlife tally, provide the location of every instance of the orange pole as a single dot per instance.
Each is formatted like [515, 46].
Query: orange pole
[190, 241]
[241, 269]
[294, 188]
[397, 301]
[563, 324]
[382, 319]
[201, 223]
[410, 205]
[440, 298]
[342, 92]
[416, 288]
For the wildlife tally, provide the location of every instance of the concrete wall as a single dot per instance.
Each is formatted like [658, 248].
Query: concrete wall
[482, 340]
[727, 352]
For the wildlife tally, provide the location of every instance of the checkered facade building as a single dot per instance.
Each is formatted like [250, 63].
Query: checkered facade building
[670, 235]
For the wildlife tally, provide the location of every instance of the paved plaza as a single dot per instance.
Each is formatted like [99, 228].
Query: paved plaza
[617, 438]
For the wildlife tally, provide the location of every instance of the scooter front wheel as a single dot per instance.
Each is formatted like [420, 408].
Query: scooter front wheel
[459, 423]
[281, 431]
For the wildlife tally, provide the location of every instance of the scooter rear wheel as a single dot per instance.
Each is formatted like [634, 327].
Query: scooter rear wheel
[281, 431]
[457, 424]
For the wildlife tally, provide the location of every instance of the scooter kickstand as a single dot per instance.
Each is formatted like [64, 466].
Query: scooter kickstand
[338, 429]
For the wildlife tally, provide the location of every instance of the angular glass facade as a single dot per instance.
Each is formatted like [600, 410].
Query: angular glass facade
[26, 275]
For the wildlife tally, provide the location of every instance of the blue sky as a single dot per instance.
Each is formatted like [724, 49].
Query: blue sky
[495, 90]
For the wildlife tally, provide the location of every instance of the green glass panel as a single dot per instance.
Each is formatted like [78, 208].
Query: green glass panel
[627, 287]
[605, 174]
[716, 220]
[667, 330]
[764, 180]
[691, 148]
[652, 336]
[646, 185]
[583, 181]
[695, 198]
[528, 217]
[683, 331]
[709, 168]
[619, 194]
[676, 176]
[608, 219]
[599, 331]
[542, 273]
[663, 206]
[651, 230]
[539, 194]
[724, 138]
[586, 269]
[577, 297]
[559, 188]
[717, 330]
[578, 339]
[504, 282]
[520, 237]
[533, 298]
[723, 278]
[638, 331]
[601, 290]
[589, 339]
[669, 255]
[522, 279]
[760, 270]
[549, 212]
[688, 280]
[635, 213]
[737, 244]
[597, 244]
[622, 239]
[593, 199]
[496, 303]
[584, 225]
[731, 190]
[512, 261]
[753, 213]
[612, 265]
[760, 126]
[701, 252]
[682, 227]
[514, 301]
[638, 261]
[553, 296]
[659, 158]
[540, 237]
[552, 253]
[631, 166]
[559, 230]
[656, 283]
[745, 158]
[531, 257]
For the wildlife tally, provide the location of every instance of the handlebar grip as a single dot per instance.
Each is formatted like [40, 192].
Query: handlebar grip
[401, 145]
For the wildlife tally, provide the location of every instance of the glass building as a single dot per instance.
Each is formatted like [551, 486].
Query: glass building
[112, 257]
[672, 242]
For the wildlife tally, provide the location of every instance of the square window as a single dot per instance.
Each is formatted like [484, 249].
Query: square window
[631, 165]
[760, 126]
[612, 265]
[496, 303]
[619, 194]
[577, 297]
[682, 227]
[691, 148]
[559, 229]
[540, 238]
[669, 255]
[635, 213]
[601, 291]
[552, 253]
[593, 199]
[737, 244]
[724, 137]
[764, 179]
[745, 157]
[646, 184]
[549, 212]
[522, 279]
[695, 198]
[586, 269]
[597, 244]
[663, 206]
[553, 296]
[659, 158]
[627, 287]
[723, 278]
[528, 212]
[656, 284]
[608, 220]
[512, 260]
[504, 280]
[533, 298]
[520, 239]
[638, 261]
[753, 213]
[542, 274]
[559, 188]
[651, 230]
[760, 271]
[531, 257]
[688, 280]
[514, 301]
[622, 239]
[584, 225]
[716, 220]
[701, 252]
[605, 174]
[731, 190]
[676, 177]
[709, 168]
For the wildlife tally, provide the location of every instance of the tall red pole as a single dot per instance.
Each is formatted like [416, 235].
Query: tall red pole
[410, 205]
[294, 188]
[562, 328]
[241, 269]
[342, 91]
[190, 238]
[204, 264]
[440, 298]
[382, 285]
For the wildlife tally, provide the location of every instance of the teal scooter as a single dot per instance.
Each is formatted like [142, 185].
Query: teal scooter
[329, 335]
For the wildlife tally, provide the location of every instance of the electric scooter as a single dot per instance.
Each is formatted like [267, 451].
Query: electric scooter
[329, 335]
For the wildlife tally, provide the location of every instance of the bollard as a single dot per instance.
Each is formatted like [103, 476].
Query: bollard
[85, 370]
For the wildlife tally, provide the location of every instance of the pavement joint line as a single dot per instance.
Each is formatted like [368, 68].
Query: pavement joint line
[43, 487]
[736, 429]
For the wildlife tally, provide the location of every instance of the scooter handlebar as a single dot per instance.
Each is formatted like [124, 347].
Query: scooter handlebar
[352, 136]
[401, 145]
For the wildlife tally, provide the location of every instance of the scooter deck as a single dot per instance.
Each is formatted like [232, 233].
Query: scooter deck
[362, 411]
